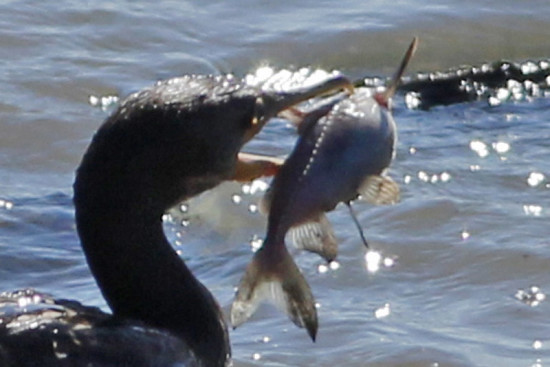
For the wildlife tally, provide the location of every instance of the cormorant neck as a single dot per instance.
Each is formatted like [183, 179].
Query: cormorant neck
[140, 275]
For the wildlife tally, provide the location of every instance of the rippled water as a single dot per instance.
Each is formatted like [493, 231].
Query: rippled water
[461, 265]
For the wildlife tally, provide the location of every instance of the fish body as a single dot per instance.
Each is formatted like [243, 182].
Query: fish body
[341, 155]
[344, 147]
[333, 157]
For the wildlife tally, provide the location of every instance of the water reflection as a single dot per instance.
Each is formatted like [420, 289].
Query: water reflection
[383, 311]
[532, 210]
[535, 178]
[531, 296]
[257, 186]
[427, 177]
[103, 102]
[480, 148]
[5, 204]
[374, 261]
[285, 79]
[501, 147]
[236, 199]
[324, 268]
[255, 243]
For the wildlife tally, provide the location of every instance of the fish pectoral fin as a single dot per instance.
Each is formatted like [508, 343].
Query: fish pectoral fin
[316, 236]
[379, 190]
[252, 166]
[276, 279]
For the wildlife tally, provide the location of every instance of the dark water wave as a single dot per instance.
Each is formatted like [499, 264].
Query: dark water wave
[495, 82]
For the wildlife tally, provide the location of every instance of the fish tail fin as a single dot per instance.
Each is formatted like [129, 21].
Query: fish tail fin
[316, 236]
[274, 276]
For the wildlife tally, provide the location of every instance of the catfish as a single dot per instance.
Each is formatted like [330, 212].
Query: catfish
[343, 151]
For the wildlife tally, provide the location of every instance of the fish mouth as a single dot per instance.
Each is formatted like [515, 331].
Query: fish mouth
[271, 103]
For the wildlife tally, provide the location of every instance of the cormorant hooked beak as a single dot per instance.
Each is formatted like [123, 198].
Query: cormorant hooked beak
[269, 104]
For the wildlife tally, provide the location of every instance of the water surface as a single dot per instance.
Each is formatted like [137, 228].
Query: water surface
[464, 257]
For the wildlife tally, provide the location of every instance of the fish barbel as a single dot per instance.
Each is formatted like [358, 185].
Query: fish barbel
[343, 150]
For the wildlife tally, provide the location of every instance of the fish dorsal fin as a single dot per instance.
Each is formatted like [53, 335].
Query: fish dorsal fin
[384, 97]
[379, 190]
[316, 236]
